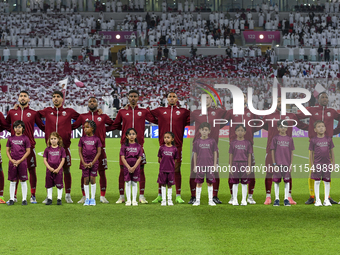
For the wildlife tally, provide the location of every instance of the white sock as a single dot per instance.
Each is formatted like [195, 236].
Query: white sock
[128, 190]
[60, 194]
[178, 195]
[141, 196]
[160, 194]
[163, 189]
[210, 193]
[24, 190]
[277, 190]
[122, 196]
[49, 193]
[12, 190]
[244, 192]
[93, 191]
[268, 195]
[317, 190]
[250, 195]
[198, 193]
[286, 190]
[170, 194]
[134, 191]
[235, 191]
[327, 189]
[87, 191]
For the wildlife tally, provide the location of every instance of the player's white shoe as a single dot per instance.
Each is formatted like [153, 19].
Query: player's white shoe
[68, 198]
[235, 202]
[318, 203]
[163, 203]
[231, 200]
[170, 202]
[243, 202]
[45, 201]
[142, 200]
[82, 200]
[197, 203]
[327, 203]
[121, 200]
[128, 203]
[103, 200]
[134, 203]
[211, 203]
[251, 201]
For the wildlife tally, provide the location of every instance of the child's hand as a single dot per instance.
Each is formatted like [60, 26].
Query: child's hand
[195, 170]
[248, 170]
[51, 169]
[56, 171]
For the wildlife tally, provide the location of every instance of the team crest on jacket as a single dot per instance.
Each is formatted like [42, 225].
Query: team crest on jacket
[99, 119]
[63, 113]
[328, 114]
[28, 114]
[213, 113]
[248, 114]
[139, 113]
[178, 112]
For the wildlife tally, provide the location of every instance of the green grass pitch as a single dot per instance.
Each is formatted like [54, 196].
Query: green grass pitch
[181, 229]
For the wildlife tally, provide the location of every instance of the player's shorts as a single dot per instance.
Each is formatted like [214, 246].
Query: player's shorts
[135, 176]
[54, 179]
[143, 162]
[238, 173]
[102, 161]
[321, 174]
[17, 173]
[193, 174]
[166, 178]
[204, 173]
[281, 172]
[87, 172]
[31, 159]
[68, 158]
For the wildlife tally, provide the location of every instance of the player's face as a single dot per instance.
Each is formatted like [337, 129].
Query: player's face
[323, 99]
[240, 132]
[172, 99]
[209, 100]
[18, 130]
[93, 104]
[54, 140]
[133, 99]
[282, 129]
[278, 107]
[131, 136]
[320, 128]
[57, 100]
[204, 132]
[23, 99]
[168, 139]
[88, 129]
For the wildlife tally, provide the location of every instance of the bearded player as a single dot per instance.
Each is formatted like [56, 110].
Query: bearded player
[173, 119]
[58, 119]
[133, 117]
[101, 121]
[29, 117]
